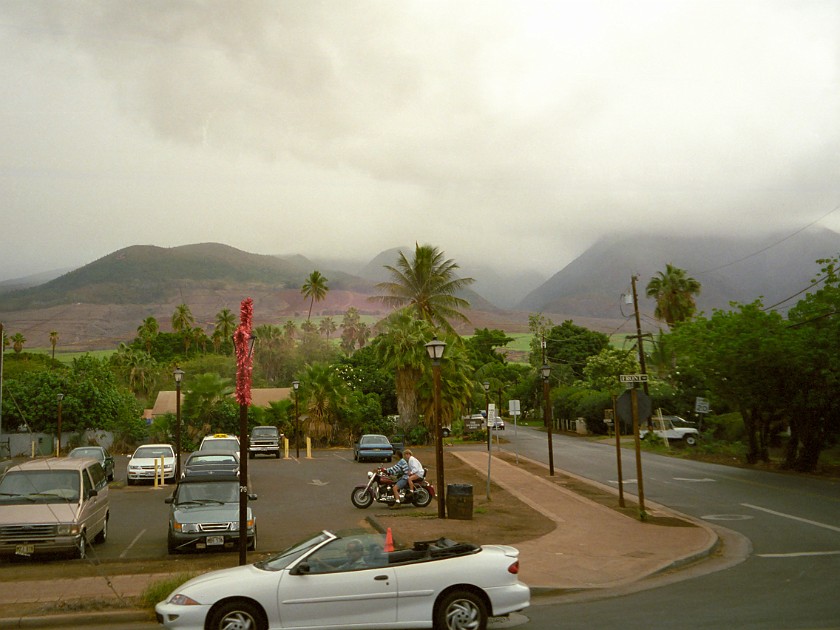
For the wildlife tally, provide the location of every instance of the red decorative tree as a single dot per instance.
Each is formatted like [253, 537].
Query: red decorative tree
[244, 359]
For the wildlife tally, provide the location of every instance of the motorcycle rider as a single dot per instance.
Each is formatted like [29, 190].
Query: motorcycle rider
[415, 469]
[400, 469]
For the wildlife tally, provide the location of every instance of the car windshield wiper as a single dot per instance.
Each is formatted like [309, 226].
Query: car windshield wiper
[15, 494]
[201, 501]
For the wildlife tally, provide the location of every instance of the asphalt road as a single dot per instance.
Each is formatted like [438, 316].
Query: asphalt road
[789, 580]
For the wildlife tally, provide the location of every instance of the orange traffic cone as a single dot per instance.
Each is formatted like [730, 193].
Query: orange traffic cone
[389, 541]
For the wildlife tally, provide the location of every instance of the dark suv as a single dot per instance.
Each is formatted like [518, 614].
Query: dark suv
[265, 441]
[204, 515]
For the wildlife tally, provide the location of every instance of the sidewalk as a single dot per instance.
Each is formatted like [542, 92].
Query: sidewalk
[592, 547]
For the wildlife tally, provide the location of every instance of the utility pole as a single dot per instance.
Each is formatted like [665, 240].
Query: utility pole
[639, 331]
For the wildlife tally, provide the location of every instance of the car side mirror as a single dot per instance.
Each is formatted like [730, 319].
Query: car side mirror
[252, 497]
[90, 494]
[169, 500]
[301, 569]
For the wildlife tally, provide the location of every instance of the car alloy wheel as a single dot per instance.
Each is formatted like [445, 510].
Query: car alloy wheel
[237, 614]
[461, 610]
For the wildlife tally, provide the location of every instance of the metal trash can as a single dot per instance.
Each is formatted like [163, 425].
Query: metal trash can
[459, 501]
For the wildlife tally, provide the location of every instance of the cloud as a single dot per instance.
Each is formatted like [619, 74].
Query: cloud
[523, 129]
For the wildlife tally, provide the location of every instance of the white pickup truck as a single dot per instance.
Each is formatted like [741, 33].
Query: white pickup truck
[664, 428]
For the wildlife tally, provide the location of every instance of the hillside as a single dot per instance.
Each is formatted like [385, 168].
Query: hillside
[101, 304]
[740, 269]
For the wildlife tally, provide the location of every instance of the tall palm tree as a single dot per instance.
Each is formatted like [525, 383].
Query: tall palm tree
[427, 284]
[402, 348]
[53, 341]
[315, 288]
[674, 293]
[147, 331]
[182, 318]
[225, 324]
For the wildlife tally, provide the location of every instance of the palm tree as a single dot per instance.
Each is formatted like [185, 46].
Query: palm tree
[225, 324]
[290, 329]
[315, 288]
[53, 341]
[427, 284]
[147, 331]
[182, 318]
[674, 293]
[17, 342]
[326, 393]
[327, 327]
[402, 348]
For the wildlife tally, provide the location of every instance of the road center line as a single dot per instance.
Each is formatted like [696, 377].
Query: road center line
[798, 554]
[795, 518]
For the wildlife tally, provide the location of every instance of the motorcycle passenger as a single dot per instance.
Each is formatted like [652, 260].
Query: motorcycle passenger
[415, 469]
[400, 469]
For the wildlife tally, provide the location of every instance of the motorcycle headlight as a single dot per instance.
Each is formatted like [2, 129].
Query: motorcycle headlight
[370, 474]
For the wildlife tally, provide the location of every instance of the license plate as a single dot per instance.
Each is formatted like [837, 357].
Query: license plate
[215, 540]
[24, 550]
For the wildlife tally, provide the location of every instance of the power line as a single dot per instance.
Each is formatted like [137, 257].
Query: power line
[771, 245]
[810, 286]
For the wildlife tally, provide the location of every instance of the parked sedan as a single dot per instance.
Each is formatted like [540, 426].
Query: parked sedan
[330, 581]
[143, 463]
[204, 514]
[373, 446]
[98, 453]
[210, 463]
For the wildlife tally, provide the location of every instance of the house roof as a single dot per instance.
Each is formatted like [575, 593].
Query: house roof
[165, 401]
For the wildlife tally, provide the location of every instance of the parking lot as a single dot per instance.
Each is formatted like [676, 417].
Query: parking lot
[295, 498]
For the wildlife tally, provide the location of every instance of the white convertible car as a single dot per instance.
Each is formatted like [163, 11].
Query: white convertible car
[330, 581]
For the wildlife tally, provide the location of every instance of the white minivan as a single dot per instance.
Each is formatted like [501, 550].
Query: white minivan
[53, 505]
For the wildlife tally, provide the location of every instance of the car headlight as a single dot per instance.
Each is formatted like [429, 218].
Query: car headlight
[186, 528]
[68, 530]
[182, 600]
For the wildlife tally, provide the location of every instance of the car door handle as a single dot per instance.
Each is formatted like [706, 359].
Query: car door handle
[381, 577]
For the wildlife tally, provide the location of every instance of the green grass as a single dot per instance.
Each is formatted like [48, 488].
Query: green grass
[158, 591]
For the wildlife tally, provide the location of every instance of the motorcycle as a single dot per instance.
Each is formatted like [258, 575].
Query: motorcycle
[380, 488]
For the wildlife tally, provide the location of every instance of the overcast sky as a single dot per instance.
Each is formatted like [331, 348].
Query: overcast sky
[513, 132]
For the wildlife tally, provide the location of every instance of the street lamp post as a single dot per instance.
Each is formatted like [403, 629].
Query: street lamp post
[486, 386]
[295, 386]
[60, 397]
[435, 351]
[178, 373]
[546, 372]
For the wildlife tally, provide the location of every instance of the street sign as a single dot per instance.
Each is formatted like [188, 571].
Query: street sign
[634, 378]
[513, 407]
[701, 405]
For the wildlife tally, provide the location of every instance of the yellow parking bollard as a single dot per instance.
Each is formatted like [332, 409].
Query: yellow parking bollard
[308, 448]
[285, 448]
[161, 484]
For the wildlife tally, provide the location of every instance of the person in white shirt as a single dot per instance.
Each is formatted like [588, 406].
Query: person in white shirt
[415, 469]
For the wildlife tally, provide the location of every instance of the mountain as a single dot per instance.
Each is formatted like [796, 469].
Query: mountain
[740, 269]
[101, 304]
[145, 273]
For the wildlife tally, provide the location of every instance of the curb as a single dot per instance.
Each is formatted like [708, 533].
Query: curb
[70, 620]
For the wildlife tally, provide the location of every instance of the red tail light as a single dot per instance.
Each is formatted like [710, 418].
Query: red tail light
[514, 568]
